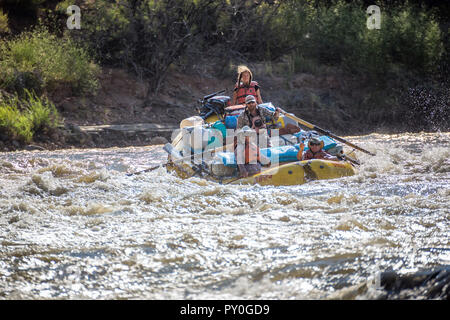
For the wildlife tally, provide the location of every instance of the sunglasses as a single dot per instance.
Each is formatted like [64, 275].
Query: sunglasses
[314, 144]
[251, 102]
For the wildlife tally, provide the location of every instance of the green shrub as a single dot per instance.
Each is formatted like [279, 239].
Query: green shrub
[144, 36]
[415, 38]
[20, 81]
[28, 6]
[20, 118]
[337, 34]
[148, 36]
[14, 123]
[39, 60]
[42, 113]
[4, 28]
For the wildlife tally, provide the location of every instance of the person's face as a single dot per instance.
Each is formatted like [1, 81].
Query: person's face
[251, 106]
[245, 78]
[315, 147]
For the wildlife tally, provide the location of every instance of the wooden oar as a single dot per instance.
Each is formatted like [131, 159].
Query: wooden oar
[324, 132]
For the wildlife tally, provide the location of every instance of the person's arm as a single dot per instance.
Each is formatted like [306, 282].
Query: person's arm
[307, 155]
[328, 156]
[322, 154]
[276, 114]
[300, 151]
[258, 96]
[233, 100]
[240, 121]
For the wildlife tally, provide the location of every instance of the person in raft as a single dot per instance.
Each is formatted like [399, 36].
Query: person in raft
[245, 86]
[248, 156]
[315, 151]
[255, 117]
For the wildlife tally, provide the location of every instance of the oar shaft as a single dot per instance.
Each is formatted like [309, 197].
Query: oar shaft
[146, 170]
[327, 133]
[324, 132]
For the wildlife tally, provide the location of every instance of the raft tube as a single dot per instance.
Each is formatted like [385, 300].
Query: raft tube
[299, 172]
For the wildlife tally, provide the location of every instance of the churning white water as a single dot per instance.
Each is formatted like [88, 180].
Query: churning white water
[74, 225]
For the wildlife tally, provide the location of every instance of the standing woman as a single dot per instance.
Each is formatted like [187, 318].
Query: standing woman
[245, 86]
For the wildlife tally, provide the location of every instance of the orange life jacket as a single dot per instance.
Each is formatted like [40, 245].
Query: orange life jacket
[242, 91]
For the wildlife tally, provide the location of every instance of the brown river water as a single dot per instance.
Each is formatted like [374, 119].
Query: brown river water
[73, 225]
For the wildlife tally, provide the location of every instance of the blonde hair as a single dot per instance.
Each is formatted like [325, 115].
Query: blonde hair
[241, 69]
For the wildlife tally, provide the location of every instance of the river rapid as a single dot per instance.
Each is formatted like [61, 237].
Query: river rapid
[75, 226]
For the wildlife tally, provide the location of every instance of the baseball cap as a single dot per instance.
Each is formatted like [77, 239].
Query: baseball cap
[249, 98]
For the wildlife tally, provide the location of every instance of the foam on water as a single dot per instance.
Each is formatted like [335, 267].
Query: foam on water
[73, 225]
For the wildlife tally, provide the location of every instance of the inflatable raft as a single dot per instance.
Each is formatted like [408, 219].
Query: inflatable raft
[283, 174]
[208, 133]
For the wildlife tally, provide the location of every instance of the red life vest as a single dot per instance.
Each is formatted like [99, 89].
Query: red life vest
[242, 91]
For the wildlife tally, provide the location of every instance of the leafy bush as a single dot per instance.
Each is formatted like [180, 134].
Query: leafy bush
[20, 81]
[42, 113]
[415, 38]
[337, 34]
[143, 36]
[20, 118]
[148, 36]
[13, 123]
[39, 60]
[3, 22]
[25, 4]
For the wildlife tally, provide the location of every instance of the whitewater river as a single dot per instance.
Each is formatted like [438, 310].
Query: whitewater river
[73, 225]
